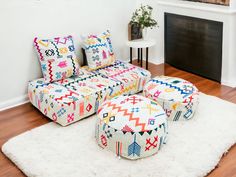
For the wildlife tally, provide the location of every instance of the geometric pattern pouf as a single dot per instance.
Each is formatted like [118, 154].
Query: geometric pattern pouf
[178, 97]
[131, 126]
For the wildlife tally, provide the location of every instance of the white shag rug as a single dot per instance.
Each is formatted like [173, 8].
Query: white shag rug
[193, 149]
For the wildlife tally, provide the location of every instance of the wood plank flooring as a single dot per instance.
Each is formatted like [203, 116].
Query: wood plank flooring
[25, 117]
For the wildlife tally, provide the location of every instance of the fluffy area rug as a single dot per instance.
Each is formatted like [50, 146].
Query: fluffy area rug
[193, 149]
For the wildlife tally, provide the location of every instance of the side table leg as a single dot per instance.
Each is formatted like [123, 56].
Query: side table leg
[141, 57]
[146, 58]
[130, 55]
[138, 54]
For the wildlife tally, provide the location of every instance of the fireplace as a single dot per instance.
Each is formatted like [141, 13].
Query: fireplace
[194, 44]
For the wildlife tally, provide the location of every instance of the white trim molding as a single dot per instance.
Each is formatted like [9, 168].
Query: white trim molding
[198, 6]
[14, 102]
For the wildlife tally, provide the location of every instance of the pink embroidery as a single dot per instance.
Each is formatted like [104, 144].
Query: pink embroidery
[39, 103]
[54, 117]
[135, 76]
[70, 117]
[38, 49]
[157, 93]
[45, 111]
[89, 107]
[61, 40]
[62, 64]
[104, 55]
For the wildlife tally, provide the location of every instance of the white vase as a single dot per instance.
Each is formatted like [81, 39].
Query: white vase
[145, 33]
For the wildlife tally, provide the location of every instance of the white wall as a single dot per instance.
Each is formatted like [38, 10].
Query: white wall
[22, 20]
[233, 4]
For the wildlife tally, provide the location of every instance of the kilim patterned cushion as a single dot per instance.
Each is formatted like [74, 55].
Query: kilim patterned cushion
[131, 126]
[72, 99]
[98, 49]
[133, 77]
[178, 97]
[57, 58]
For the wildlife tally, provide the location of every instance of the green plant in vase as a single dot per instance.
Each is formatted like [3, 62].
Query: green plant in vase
[143, 17]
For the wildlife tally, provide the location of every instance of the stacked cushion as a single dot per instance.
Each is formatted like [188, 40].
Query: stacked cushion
[131, 126]
[133, 78]
[98, 49]
[57, 58]
[178, 97]
[72, 99]
[69, 100]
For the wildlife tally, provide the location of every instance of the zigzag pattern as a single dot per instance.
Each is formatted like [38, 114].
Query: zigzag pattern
[37, 47]
[130, 115]
[126, 89]
[57, 50]
[42, 85]
[73, 64]
[171, 86]
[66, 96]
[95, 46]
[50, 70]
[123, 71]
[117, 62]
[83, 79]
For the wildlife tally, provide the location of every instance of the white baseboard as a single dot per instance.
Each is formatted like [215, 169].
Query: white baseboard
[14, 102]
[150, 61]
[156, 62]
[230, 84]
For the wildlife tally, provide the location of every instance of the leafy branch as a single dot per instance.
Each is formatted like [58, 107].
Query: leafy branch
[143, 17]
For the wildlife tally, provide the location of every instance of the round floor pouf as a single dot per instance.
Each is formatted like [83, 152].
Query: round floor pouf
[178, 97]
[131, 126]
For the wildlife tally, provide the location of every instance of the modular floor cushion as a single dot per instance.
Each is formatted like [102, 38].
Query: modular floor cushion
[133, 78]
[72, 99]
[178, 97]
[131, 126]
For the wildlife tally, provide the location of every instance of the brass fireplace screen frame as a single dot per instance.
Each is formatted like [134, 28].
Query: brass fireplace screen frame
[220, 2]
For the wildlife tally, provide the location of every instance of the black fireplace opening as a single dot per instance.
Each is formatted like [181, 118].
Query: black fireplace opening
[194, 45]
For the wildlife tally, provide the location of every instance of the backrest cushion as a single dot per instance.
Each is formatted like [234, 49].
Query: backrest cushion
[57, 58]
[98, 50]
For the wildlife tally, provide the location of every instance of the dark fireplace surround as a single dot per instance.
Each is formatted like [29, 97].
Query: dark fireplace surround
[194, 45]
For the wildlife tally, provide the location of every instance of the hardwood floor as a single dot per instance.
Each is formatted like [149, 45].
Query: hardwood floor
[25, 117]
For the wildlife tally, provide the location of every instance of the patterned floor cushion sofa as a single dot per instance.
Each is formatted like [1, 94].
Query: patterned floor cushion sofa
[69, 100]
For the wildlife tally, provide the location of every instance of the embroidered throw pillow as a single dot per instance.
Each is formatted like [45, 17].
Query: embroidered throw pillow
[57, 58]
[98, 50]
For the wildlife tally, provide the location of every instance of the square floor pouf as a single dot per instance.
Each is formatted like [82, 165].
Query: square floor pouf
[178, 97]
[131, 126]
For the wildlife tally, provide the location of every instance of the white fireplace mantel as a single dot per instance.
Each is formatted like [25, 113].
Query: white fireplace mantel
[199, 6]
[224, 14]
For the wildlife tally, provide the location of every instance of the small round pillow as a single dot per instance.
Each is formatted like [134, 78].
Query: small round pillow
[178, 97]
[131, 126]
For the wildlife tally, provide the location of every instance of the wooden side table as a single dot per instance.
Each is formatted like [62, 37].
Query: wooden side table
[140, 44]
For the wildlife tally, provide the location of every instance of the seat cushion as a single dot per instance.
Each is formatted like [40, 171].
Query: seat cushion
[72, 99]
[133, 77]
[69, 100]
[131, 126]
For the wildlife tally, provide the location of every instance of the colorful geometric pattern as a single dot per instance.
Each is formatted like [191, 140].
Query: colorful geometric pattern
[57, 58]
[130, 133]
[178, 97]
[72, 99]
[98, 49]
[81, 95]
[133, 78]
